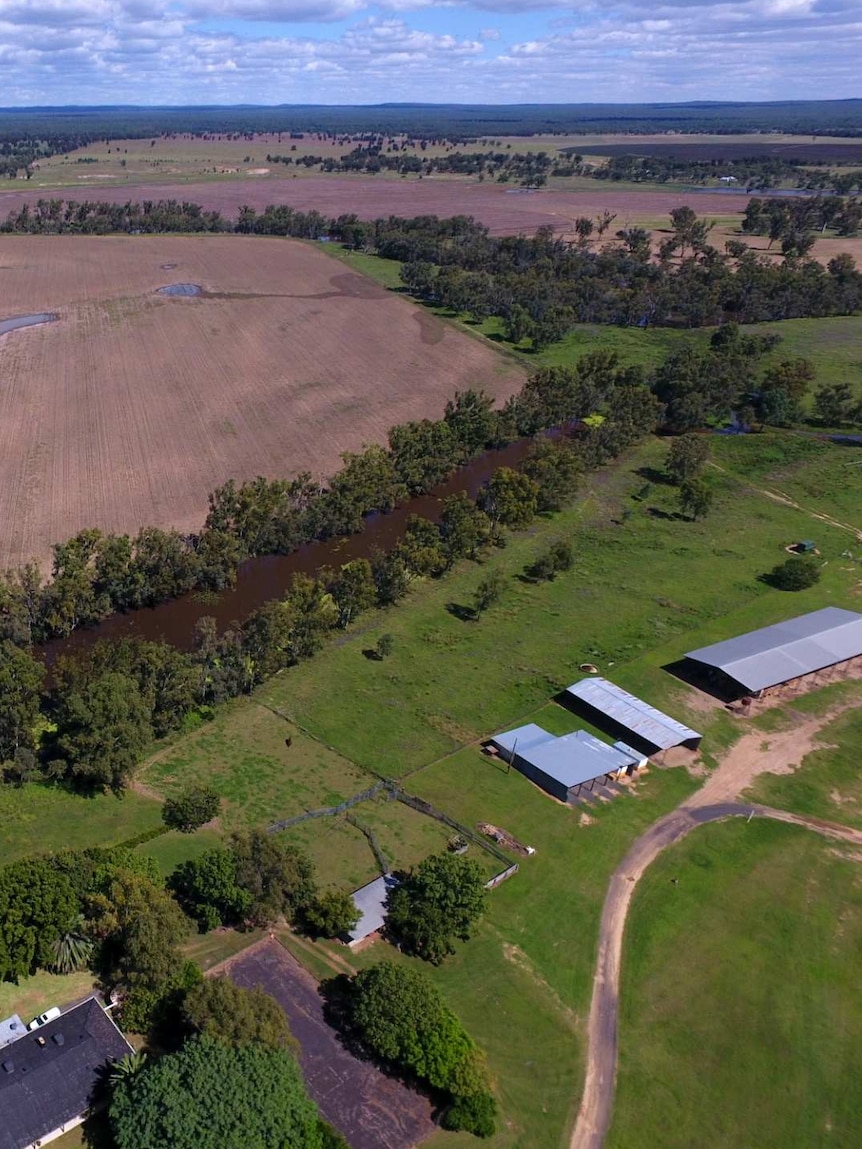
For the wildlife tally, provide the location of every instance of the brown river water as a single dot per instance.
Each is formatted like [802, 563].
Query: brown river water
[259, 580]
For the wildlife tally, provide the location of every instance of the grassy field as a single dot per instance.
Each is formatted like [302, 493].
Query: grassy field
[828, 784]
[37, 819]
[37, 993]
[834, 345]
[741, 1015]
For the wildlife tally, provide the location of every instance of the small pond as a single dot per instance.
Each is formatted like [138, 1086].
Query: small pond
[17, 321]
[182, 289]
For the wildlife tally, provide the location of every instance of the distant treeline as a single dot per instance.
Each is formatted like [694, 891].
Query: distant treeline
[528, 168]
[442, 121]
[540, 286]
[755, 172]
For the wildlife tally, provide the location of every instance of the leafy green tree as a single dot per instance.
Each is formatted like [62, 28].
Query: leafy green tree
[103, 731]
[695, 498]
[38, 907]
[391, 576]
[488, 592]
[279, 877]
[207, 886]
[686, 457]
[214, 1096]
[554, 466]
[330, 914]
[353, 590]
[795, 574]
[232, 1015]
[422, 547]
[314, 615]
[471, 418]
[559, 556]
[776, 408]
[268, 640]
[384, 646]
[398, 1014]
[836, 404]
[510, 498]
[442, 899]
[472, 1114]
[464, 528]
[425, 453]
[21, 678]
[192, 808]
[793, 376]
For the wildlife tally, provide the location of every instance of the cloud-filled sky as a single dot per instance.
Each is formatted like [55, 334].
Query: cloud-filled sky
[436, 51]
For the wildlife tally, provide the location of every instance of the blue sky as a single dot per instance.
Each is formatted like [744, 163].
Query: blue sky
[494, 51]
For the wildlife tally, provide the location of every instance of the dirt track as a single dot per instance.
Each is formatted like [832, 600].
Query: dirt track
[714, 801]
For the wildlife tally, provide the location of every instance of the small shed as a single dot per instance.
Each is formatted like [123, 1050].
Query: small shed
[564, 767]
[370, 900]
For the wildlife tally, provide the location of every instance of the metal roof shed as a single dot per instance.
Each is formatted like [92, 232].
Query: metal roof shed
[642, 722]
[786, 650]
[561, 765]
[370, 900]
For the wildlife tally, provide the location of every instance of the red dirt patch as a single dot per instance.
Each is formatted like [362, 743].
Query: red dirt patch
[373, 1111]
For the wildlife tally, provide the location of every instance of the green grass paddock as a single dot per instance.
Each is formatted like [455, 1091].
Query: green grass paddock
[741, 1015]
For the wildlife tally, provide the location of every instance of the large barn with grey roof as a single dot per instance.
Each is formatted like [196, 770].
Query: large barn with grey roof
[786, 652]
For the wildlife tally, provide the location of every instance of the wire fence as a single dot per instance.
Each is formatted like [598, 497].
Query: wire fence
[330, 811]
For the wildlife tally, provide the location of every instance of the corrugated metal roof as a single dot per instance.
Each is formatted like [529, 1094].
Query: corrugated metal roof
[775, 654]
[633, 713]
[570, 759]
[370, 900]
[525, 737]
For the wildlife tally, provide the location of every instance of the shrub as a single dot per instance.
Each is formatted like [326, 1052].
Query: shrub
[472, 1115]
[794, 574]
[192, 808]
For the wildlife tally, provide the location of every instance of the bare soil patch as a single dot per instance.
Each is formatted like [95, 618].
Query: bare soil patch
[372, 1111]
[132, 407]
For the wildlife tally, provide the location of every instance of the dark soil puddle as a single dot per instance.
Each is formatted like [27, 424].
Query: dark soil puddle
[183, 289]
[18, 321]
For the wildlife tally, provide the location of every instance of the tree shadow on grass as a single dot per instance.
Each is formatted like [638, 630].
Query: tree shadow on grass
[654, 475]
[371, 654]
[461, 612]
[667, 516]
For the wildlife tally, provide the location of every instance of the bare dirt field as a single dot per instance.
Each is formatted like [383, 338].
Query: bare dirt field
[132, 407]
[504, 210]
[371, 1110]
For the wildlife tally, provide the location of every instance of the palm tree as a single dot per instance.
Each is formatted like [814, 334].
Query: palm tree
[73, 950]
[127, 1067]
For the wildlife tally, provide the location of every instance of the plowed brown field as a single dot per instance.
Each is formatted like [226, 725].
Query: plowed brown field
[134, 406]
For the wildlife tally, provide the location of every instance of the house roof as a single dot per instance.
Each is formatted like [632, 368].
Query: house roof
[370, 900]
[569, 760]
[632, 713]
[524, 737]
[11, 1028]
[44, 1086]
[775, 654]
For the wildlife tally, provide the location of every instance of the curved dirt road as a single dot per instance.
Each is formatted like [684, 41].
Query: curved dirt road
[713, 802]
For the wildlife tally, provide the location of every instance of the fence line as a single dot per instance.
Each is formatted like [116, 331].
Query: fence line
[382, 864]
[329, 811]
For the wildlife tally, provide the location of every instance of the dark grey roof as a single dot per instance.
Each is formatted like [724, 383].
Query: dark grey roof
[44, 1086]
[633, 713]
[571, 759]
[775, 654]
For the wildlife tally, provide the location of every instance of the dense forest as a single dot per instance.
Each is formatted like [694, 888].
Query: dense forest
[449, 121]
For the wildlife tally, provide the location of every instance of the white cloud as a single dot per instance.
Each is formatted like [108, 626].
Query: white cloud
[187, 51]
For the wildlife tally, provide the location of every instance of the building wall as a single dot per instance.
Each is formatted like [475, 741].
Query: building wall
[549, 785]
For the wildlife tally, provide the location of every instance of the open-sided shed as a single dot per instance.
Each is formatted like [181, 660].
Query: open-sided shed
[566, 766]
[643, 726]
[774, 655]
